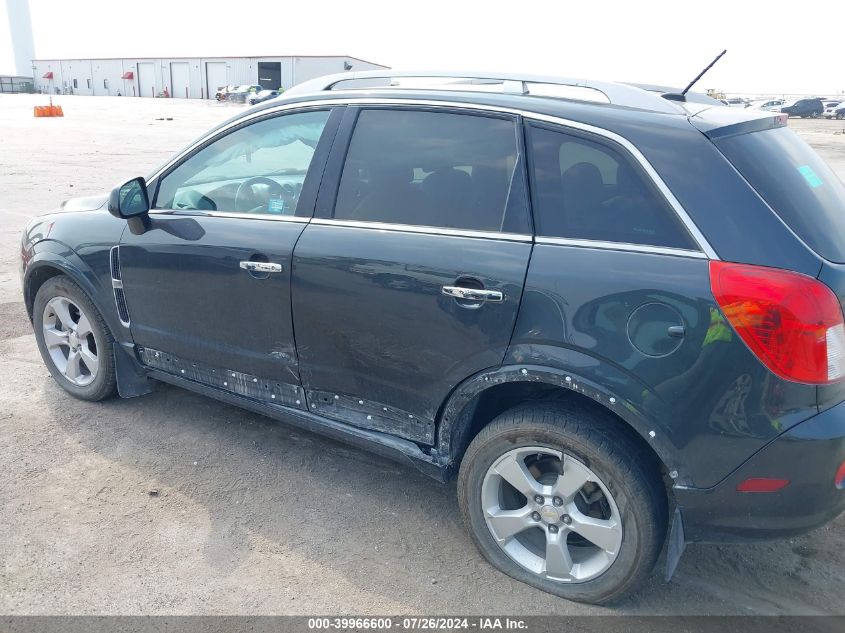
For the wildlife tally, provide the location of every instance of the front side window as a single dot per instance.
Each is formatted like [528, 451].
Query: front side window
[589, 190]
[437, 169]
[259, 168]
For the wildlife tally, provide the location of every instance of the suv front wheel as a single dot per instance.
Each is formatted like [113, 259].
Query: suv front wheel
[559, 497]
[73, 339]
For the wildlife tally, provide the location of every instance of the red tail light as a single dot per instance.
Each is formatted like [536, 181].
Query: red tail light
[839, 478]
[793, 323]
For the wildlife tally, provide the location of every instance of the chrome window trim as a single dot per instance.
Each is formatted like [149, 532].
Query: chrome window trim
[426, 230]
[191, 213]
[621, 246]
[695, 232]
[220, 131]
[693, 229]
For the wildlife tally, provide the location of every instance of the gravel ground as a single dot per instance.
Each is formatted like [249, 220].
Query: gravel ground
[175, 504]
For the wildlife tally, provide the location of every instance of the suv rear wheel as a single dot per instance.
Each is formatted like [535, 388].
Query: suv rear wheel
[559, 497]
[74, 340]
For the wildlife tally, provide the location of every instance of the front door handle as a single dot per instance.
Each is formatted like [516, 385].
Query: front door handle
[261, 267]
[473, 294]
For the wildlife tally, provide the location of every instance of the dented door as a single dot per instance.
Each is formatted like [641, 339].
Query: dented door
[191, 300]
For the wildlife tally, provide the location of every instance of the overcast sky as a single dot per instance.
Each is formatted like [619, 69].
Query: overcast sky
[772, 47]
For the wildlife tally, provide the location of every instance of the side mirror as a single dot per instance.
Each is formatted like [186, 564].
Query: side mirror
[130, 199]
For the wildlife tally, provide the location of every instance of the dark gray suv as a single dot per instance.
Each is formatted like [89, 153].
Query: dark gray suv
[615, 314]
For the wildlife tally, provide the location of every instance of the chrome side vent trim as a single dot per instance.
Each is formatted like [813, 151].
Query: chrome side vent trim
[122, 310]
[117, 286]
[114, 260]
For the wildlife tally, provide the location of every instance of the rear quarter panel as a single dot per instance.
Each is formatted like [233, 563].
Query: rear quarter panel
[710, 403]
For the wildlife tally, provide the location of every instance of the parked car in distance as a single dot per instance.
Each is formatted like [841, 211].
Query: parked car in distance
[240, 94]
[830, 108]
[768, 105]
[537, 296]
[839, 112]
[223, 92]
[736, 102]
[804, 108]
[263, 95]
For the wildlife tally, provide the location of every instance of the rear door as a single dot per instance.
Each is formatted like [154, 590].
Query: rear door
[410, 277]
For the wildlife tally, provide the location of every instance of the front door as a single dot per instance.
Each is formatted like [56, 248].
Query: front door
[411, 280]
[207, 284]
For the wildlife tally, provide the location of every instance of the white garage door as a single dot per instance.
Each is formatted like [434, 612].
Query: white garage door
[215, 73]
[146, 79]
[179, 80]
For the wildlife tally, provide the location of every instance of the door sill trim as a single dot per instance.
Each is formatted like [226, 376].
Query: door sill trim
[389, 446]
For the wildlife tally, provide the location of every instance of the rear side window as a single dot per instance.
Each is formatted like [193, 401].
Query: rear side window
[436, 169]
[590, 190]
[796, 183]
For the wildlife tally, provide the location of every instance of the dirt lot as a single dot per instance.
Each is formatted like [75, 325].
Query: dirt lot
[173, 503]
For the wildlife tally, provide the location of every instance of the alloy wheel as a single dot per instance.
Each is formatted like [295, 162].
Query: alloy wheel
[70, 341]
[551, 514]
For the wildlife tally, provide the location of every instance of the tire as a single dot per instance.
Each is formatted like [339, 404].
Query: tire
[589, 440]
[89, 372]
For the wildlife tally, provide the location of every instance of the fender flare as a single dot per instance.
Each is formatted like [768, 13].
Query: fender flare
[453, 422]
[131, 376]
[55, 254]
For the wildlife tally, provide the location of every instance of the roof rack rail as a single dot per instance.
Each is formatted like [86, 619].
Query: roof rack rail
[615, 93]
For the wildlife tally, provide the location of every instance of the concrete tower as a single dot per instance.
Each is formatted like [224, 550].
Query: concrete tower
[20, 27]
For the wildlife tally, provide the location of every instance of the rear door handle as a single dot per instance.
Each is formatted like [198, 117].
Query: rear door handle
[261, 267]
[473, 294]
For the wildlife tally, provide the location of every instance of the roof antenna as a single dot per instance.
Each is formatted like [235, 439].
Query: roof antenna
[701, 74]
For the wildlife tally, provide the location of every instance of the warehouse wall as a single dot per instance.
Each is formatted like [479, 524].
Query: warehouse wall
[104, 76]
[107, 73]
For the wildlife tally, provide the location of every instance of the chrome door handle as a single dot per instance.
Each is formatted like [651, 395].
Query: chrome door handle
[473, 294]
[261, 267]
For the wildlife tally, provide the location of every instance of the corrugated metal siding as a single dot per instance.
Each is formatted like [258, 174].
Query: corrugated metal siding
[239, 70]
[107, 73]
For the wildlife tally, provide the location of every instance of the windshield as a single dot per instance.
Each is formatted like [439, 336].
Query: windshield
[796, 183]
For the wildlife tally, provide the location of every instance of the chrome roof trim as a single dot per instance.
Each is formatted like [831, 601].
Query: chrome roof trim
[621, 246]
[428, 230]
[696, 233]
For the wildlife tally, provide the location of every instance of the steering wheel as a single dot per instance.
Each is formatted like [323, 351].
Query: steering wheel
[275, 188]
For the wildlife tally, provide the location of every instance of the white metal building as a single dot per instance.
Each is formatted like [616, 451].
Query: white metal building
[183, 77]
